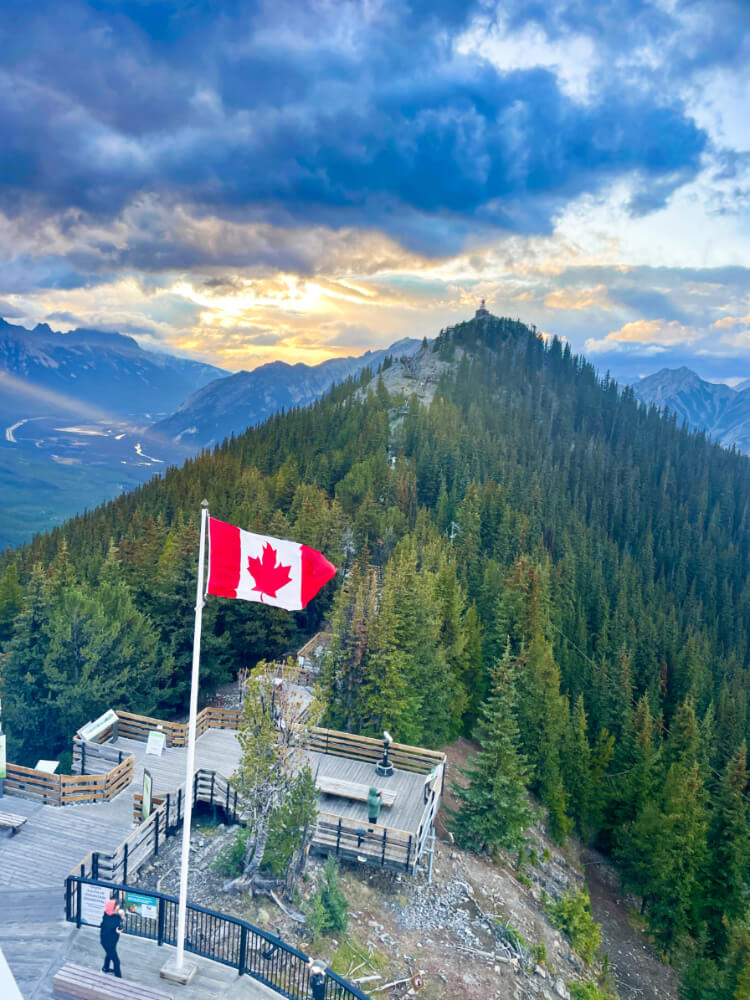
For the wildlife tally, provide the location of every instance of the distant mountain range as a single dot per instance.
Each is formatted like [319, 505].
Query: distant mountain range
[44, 373]
[79, 415]
[722, 412]
[231, 405]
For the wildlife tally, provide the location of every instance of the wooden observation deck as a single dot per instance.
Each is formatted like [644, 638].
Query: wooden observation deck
[345, 765]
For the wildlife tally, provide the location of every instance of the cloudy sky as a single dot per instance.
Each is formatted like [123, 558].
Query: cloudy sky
[297, 179]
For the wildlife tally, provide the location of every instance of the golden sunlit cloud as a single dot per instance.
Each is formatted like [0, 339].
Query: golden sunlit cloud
[729, 322]
[655, 331]
[578, 298]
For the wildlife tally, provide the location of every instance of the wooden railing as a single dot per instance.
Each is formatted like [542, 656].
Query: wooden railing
[406, 758]
[28, 783]
[68, 789]
[350, 838]
[137, 727]
[167, 814]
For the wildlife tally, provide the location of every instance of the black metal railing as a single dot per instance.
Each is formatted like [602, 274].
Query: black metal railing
[229, 940]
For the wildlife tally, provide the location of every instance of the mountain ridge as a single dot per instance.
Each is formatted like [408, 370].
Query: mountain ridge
[90, 367]
[720, 411]
[230, 405]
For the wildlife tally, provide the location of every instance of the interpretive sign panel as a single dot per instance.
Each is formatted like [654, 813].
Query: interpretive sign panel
[156, 743]
[146, 800]
[142, 906]
[93, 898]
[95, 728]
[48, 766]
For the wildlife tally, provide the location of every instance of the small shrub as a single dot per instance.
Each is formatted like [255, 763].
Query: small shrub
[511, 935]
[228, 862]
[572, 914]
[539, 953]
[586, 991]
[546, 854]
[523, 879]
[328, 908]
[287, 822]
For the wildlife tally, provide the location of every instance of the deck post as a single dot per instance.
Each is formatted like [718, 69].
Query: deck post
[338, 837]
[385, 841]
[160, 922]
[156, 834]
[125, 864]
[242, 961]
[430, 855]
[78, 903]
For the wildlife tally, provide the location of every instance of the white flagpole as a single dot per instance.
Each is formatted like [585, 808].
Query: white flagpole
[190, 766]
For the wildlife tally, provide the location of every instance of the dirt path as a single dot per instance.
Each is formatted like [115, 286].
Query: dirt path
[639, 972]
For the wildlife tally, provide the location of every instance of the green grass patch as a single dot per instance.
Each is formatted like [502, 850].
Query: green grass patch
[352, 952]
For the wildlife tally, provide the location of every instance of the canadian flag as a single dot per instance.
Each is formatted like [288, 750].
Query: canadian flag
[260, 568]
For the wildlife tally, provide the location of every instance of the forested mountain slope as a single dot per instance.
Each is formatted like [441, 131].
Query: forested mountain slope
[531, 516]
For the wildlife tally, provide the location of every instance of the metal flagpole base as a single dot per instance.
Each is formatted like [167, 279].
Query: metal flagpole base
[183, 976]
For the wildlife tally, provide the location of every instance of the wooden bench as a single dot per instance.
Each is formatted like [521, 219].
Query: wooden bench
[352, 790]
[76, 982]
[12, 822]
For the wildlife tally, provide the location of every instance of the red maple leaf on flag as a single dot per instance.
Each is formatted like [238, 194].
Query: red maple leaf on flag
[267, 575]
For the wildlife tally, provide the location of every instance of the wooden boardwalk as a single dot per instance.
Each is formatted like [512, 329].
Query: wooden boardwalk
[34, 864]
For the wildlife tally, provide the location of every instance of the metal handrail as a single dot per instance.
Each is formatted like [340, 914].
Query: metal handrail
[220, 937]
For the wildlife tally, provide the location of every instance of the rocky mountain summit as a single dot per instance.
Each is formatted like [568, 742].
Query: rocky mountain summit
[723, 413]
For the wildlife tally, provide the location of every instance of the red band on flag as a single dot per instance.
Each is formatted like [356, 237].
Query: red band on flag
[316, 572]
[224, 561]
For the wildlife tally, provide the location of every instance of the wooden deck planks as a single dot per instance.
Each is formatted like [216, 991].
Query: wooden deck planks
[407, 809]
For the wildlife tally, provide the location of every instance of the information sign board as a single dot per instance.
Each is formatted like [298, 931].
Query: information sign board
[146, 800]
[156, 743]
[48, 766]
[142, 906]
[93, 898]
[95, 728]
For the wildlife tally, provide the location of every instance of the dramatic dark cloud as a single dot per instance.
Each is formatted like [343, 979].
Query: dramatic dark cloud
[318, 112]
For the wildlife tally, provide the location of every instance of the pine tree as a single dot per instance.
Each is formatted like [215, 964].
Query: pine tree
[494, 809]
[11, 602]
[728, 873]
[576, 768]
[666, 853]
[26, 694]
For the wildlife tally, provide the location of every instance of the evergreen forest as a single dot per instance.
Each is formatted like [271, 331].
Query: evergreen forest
[536, 560]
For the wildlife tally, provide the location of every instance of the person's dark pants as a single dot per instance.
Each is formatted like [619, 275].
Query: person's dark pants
[110, 955]
[373, 819]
